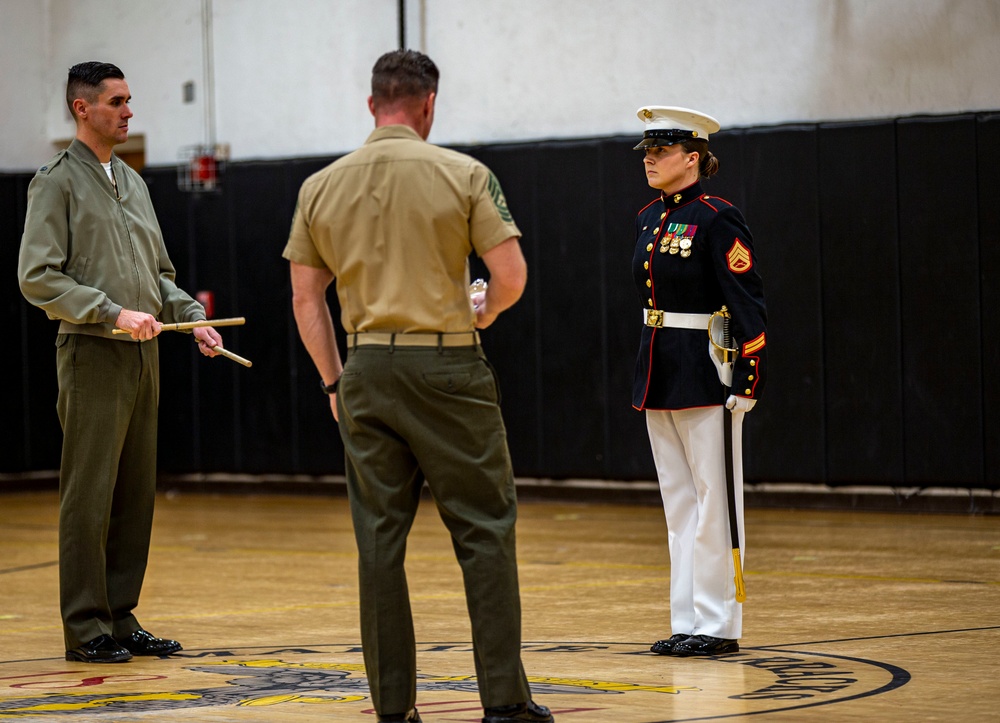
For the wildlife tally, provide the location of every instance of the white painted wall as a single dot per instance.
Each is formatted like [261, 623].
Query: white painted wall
[582, 68]
[23, 46]
[291, 78]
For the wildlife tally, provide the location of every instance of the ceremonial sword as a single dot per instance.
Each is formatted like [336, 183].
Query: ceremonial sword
[727, 426]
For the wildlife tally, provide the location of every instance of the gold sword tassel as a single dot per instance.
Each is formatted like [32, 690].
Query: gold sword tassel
[741, 591]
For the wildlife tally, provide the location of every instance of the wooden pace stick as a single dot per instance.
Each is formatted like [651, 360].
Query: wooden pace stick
[180, 326]
[235, 357]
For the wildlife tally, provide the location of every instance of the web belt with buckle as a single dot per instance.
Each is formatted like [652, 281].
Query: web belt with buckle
[660, 319]
[432, 339]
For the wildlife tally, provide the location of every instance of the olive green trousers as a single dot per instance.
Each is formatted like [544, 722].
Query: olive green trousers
[108, 399]
[407, 415]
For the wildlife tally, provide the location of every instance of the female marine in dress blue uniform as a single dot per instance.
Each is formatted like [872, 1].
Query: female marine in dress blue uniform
[694, 255]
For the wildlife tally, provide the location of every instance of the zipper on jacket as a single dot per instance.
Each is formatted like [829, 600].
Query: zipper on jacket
[131, 243]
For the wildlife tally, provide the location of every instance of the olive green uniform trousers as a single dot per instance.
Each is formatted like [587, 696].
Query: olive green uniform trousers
[108, 399]
[413, 413]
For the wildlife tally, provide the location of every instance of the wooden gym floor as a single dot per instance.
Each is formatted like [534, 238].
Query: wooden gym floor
[849, 616]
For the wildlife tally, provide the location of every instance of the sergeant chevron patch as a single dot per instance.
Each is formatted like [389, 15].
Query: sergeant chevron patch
[739, 258]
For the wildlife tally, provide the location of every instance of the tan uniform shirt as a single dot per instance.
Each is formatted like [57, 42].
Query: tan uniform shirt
[395, 222]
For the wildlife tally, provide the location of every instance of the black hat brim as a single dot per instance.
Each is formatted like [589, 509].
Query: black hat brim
[651, 142]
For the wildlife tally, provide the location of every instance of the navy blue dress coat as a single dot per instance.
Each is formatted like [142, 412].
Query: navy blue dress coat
[694, 254]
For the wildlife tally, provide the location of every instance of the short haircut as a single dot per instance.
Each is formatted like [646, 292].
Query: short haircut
[403, 75]
[85, 81]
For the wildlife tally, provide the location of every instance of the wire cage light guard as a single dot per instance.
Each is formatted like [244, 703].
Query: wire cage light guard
[200, 167]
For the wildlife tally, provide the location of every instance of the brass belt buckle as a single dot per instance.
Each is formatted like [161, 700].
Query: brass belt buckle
[654, 317]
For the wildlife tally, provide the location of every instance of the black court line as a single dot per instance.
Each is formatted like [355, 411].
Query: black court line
[29, 567]
[900, 677]
[882, 637]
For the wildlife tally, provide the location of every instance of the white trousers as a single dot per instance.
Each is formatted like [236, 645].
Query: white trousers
[689, 453]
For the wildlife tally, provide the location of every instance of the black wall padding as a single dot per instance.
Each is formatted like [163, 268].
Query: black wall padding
[512, 343]
[316, 444]
[32, 438]
[879, 244]
[941, 323]
[988, 175]
[568, 259]
[785, 432]
[574, 335]
[15, 412]
[624, 193]
[861, 303]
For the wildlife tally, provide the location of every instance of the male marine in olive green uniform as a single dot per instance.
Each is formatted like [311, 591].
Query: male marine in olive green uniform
[92, 256]
[394, 224]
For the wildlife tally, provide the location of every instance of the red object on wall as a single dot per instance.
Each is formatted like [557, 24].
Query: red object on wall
[206, 299]
[203, 171]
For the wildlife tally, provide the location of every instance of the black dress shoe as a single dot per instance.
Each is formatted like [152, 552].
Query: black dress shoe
[102, 649]
[142, 643]
[705, 645]
[666, 647]
[411, 717]
[529, 711]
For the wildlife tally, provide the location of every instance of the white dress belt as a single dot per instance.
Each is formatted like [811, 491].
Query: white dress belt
[659, 319]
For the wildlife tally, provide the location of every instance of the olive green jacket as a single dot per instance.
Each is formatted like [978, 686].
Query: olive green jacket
[87, 253]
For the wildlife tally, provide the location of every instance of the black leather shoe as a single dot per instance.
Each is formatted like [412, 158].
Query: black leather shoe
[705, 645]
[529, 711]
[102, 649]
[411, 717]
[666, 647]
[142, 643]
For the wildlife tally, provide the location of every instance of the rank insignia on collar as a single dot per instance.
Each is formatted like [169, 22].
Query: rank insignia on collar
[738, 258]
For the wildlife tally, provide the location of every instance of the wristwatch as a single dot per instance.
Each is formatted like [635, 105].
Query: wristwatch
[329, 388]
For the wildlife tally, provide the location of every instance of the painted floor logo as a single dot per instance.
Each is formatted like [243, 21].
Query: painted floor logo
[623, 681]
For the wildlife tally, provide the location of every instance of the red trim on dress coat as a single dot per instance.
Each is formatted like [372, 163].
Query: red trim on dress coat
[655, 200]
[649, 366]
[652, 288]
[679, 409]
[741, 391]
[704, 199]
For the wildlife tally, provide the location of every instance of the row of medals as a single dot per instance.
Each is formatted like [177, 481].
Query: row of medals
[675, 245]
